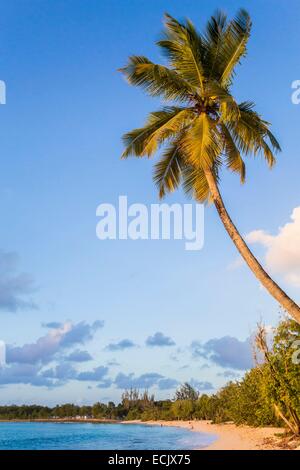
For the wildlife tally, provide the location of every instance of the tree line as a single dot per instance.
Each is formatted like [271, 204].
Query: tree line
[268, 394]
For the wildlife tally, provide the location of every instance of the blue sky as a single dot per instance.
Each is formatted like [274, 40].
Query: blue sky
[92, 307]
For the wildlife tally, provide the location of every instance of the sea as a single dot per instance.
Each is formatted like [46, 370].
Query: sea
[100, 436]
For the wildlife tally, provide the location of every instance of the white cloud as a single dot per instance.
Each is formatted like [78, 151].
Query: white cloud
[282, 250]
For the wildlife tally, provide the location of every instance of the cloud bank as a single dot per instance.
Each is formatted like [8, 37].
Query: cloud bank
[55, 341]
[227, 352]
[283, 249]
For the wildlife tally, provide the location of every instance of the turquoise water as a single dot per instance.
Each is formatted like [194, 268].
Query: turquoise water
[35, 436]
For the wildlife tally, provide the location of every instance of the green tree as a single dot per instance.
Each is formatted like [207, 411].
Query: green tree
[186, 392]
[282, 383]
[99, 410]
[203, 407]
[183, 409]
[251, 405]
[204, 128]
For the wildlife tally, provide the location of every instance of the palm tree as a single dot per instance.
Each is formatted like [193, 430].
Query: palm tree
[203, 128]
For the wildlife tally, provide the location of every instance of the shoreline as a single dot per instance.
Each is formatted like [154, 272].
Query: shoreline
[228, 436]
[64, 420]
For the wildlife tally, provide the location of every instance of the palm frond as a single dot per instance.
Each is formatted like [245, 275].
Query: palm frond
[250, 133]
[181, 118]
[159, 126]
[274, 142]
[215, 28]
[183, 47]
[234, 45]
[213, 38]
[268, 154]
[201, 145]
[234, 161]
[195, 184]
[157, 80]
[167, 171]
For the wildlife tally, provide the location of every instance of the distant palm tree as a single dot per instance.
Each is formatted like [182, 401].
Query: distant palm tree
[204, 127]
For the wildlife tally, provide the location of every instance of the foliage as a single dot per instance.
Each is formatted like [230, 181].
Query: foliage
[282, 368]
[183, 409]
[186, 392]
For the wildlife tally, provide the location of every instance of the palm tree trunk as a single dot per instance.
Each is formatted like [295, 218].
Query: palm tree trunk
[287, 303]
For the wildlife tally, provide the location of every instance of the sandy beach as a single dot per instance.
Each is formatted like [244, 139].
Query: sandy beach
[227, 436]
[230, 436]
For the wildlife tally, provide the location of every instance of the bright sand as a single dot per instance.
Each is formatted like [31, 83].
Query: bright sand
[229, 436]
